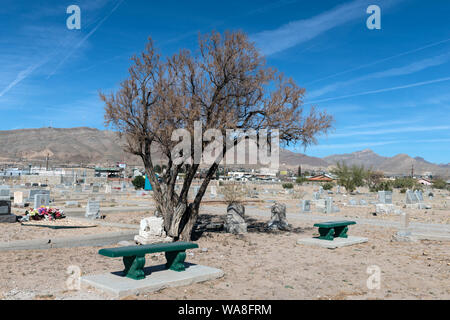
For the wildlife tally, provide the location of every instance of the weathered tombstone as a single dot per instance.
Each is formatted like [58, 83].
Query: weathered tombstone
[404, 233]
[152, 231]
[5, 193]
[385, 197]
[108, 188]
[78, 188]
[338, 191]
[93, 209]
[320, 190]
[34, 192]
[213, 191]
[329, 207]
[41, 200]
[362, 202]
[419, 195]
[18, 197]
[306, 206]
[95, 189]
[278, 220]
[411, 197]
[316, 196]
[235, 222]
[5, 212]
[352, 202]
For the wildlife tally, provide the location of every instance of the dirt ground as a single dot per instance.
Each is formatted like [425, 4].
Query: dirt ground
[258, 265]
[35, 230]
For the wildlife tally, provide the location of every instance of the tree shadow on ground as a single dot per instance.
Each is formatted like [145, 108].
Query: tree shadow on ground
[215, 223]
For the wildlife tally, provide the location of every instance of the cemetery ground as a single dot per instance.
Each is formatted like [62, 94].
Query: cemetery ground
[258, 264]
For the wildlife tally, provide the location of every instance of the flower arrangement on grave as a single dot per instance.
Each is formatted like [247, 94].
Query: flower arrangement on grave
[44, 213]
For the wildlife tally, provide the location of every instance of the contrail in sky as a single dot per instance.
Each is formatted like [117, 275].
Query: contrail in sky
[380, 61]
[417, 84]
[85, 38]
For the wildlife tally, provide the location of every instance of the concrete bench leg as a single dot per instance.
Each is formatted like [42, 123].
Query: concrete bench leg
[134, 267]
[326, 233]
[341, 232]
[175, 260]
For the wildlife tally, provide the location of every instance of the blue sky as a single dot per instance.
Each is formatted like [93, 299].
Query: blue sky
[388, 89]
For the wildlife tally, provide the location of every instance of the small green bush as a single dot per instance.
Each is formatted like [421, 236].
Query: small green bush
[328, 186]
[139, 182]
[288, 185]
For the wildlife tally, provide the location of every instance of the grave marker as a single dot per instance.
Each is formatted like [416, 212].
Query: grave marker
[93, 209]
[385, 197]
[5, 193]
[41, 200]
[306, 206]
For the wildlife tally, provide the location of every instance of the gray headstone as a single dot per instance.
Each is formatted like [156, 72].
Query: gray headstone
[352, 202]
[93, 209]
[95, 189]
[5, 207]
[34, 192]
[316, 196]
[328, 205]
[385, 197]
[411, 197]
[41, 200]
[363, 202]
[5, 193]
[419, 195]
[306, 206]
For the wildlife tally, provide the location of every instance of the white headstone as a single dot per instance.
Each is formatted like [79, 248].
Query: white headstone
[385, 197]
[93, 209]
[18, 197]
[41, 200]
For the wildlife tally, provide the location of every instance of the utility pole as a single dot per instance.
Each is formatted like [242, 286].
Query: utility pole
[412, 171]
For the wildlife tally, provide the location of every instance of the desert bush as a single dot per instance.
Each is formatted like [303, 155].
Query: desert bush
[288, 185]
[233, 192]
[381, 186]
[439, 184]
[404, 183]
[139, 182]
[300, 180]
[328, 186]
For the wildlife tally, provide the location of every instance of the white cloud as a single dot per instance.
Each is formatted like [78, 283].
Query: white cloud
[300, 31]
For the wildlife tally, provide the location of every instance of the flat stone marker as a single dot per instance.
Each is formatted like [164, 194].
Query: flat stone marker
[336, 243]
[157, 278]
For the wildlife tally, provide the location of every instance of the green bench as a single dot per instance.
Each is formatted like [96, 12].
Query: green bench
[333, 229]
[134, 256]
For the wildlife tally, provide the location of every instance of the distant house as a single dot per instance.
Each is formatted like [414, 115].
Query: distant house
[425, 182]
[321, 178]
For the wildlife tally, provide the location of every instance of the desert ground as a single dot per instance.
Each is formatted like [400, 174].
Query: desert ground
[257, 265]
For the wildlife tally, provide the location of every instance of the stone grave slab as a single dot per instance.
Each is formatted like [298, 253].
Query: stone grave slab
[157, 278]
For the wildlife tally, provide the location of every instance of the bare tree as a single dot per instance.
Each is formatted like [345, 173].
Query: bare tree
[225, 85]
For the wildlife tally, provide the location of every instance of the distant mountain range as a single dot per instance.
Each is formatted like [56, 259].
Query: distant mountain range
[101, 147]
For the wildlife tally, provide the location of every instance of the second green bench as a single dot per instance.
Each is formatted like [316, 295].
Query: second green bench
[333, 229]
[134, 256]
